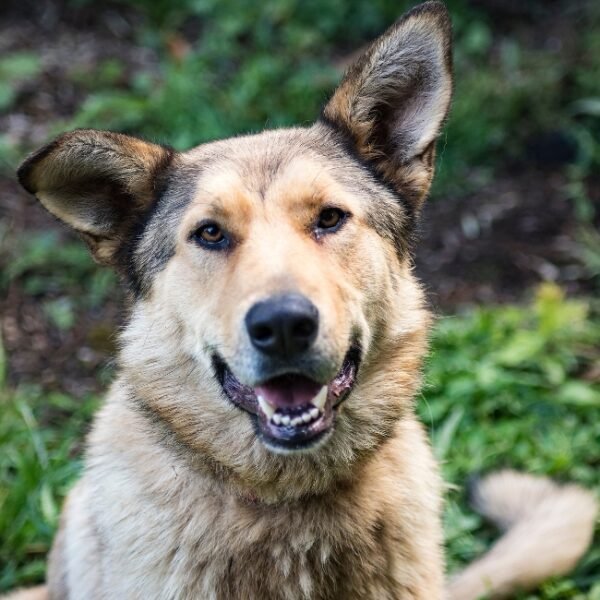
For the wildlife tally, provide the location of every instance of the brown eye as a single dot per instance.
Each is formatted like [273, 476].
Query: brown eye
[331, 219]
[210, 235]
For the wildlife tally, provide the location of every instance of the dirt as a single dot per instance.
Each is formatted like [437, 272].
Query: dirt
[496, 244]
[489, 246]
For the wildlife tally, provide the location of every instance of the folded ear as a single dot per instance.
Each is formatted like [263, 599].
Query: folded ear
[99, 183]
[393, 101]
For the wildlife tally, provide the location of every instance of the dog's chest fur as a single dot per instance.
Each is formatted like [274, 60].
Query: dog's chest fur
[229, 550]
[155, 530]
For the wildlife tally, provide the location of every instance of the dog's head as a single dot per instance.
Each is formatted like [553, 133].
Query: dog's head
[274, 311]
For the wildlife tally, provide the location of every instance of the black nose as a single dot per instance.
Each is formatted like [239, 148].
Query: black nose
[283, 325]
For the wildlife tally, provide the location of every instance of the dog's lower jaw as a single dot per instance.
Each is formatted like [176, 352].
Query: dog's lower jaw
[291, 449]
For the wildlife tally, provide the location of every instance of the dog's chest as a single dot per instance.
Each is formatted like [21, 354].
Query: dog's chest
[233, 550]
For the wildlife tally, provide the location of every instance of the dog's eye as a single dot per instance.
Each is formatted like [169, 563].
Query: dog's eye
[331, 219]
[210, 235]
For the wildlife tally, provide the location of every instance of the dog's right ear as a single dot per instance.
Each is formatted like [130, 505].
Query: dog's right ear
[394, 99]
[100, 183]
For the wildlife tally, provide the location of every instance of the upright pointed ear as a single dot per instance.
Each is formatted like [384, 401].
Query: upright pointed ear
[99, 183]
[393, 101]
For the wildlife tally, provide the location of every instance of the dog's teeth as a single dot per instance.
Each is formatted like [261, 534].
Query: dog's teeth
[296, 421]
[314, 413]
[265, 406]
[276, 418]
[307, 417]
[285, 420]
[320, 399]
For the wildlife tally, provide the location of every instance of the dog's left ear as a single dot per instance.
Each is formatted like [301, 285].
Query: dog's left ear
[393, 101]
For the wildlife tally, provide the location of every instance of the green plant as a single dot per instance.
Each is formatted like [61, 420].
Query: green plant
[40, 441]
[56, 269]
[511, 386]
[14, 69]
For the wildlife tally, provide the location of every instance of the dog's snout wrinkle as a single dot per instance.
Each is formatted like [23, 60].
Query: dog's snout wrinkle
[283, 326]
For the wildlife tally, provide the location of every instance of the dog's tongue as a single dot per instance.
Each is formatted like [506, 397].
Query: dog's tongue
[289, 391]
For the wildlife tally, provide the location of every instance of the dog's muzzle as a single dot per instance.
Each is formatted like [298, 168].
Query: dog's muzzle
[292, 411]
[293, 402]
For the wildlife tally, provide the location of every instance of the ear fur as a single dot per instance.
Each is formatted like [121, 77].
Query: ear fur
[393, 101]
[100, 183]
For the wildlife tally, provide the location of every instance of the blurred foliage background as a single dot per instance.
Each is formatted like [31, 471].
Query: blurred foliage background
[510, 249]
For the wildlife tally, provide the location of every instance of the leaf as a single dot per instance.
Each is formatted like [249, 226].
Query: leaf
[7, 96]
[34, 431]
[555, 313]
[48, 505]
[61, 313]
[587, 106]
[19, 65]
[524, 346]
[578, 393]
[444, 437]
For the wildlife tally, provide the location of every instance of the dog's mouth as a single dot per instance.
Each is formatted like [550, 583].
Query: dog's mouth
[292, 411]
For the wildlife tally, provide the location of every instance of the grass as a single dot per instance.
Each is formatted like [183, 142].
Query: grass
[40, 442]
[514, 387]
[505, 386]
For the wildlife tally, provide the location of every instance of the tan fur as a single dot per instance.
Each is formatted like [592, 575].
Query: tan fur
[180, 498]
[548, 527]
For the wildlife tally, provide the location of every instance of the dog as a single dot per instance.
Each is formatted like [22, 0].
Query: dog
[260, 440]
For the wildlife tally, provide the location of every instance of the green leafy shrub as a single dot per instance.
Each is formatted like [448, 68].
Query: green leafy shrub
[515, 387]
[40, 444]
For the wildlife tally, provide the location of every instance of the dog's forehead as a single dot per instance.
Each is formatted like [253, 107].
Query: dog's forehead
[260, 167]
[241, 192]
